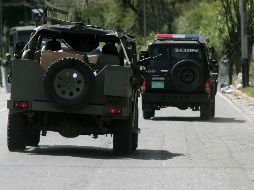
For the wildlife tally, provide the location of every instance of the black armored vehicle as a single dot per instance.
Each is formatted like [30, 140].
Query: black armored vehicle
[75, 79]
[179, 74]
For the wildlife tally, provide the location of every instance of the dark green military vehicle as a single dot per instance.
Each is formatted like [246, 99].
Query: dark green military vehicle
[19, 35]
[75, 79]
[181, 75]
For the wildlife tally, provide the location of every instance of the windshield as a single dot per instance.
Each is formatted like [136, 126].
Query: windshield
[24, 36]
[169, 55]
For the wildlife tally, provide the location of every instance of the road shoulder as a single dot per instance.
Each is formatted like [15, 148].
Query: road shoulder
[242, 101]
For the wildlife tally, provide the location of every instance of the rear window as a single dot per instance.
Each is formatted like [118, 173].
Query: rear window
[169, 55]
[72, 42]
[163, 60]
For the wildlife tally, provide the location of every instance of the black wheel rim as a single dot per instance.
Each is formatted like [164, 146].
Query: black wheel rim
[187, 76]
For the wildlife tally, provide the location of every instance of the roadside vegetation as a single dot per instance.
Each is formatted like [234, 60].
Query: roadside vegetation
[219, 20]
[250, 90]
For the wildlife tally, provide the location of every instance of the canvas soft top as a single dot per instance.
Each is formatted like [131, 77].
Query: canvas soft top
[81, 28]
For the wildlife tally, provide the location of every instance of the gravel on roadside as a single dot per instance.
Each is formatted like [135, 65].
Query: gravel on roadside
[242, 101]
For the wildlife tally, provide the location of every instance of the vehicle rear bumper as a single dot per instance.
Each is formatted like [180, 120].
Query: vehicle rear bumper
[174, 98]
[43, 106]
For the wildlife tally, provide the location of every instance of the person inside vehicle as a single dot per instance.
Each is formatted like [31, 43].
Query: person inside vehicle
[53, 45]
[110, 48]
[109, 56]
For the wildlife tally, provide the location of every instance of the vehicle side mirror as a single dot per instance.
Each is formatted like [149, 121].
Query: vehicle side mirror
[19, 47]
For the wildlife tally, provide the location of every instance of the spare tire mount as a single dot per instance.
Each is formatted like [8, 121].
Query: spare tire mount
[69, 83]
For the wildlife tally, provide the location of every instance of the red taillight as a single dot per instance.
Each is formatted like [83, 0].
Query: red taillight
[114, 111]
[144, 86]
[208, 86]
[22, 105]
[163, 36]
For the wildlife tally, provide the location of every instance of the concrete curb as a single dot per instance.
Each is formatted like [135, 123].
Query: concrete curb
[239, 93]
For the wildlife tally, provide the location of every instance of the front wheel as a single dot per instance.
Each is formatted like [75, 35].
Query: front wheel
[16, 132]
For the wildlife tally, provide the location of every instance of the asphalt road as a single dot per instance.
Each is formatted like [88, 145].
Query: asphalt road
[176, 151]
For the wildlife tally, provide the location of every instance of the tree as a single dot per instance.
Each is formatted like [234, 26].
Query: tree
[204, 19]
[230, 11]
[220, 21]
[160, 14]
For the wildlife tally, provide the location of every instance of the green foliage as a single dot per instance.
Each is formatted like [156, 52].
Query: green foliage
[110, 14]
[142, 43]
[248, 91]
[124, 15]
[205, 19]
[231, 14]
[13, 16]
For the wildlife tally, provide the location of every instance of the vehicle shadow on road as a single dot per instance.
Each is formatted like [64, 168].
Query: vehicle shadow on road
[195, 119]
[100, 153]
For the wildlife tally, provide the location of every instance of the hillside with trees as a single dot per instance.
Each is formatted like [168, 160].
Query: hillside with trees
[219, 20]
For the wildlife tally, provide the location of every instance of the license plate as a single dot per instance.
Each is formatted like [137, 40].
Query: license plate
[157, 84]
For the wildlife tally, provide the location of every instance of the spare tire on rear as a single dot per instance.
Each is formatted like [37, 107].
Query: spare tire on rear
[186, 75]
[69, 83]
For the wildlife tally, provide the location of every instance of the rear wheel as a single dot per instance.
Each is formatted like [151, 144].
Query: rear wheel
[135, 133]
[33, 137]
[16, 132]
[206, 110]
[122, 138]
[148, 114]
[213, 107]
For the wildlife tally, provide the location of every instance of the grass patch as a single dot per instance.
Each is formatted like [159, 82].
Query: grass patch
[248, 91]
